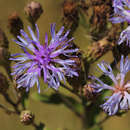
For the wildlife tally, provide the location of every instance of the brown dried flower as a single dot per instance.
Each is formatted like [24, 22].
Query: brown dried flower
[3, 83]
[33, 10]
[15, 24]
[88, 92]
[27, 117]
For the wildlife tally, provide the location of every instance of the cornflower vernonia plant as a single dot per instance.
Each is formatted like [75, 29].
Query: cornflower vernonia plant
[43, 60]
[120, 98]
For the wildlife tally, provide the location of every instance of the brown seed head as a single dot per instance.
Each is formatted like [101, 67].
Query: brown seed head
[69, 8]
[26, 117]
[3, 39]
[4, 56]
[33, 10]
[15, 24]
[88, 92]
[3, 83]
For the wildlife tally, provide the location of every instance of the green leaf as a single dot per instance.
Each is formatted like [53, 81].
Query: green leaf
[52, 99]
[57, 98]
[78, 107]
[106, 80]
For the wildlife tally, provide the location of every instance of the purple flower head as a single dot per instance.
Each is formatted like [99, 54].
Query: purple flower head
[120, 98]
[125, 36]
[121, 11]
[43, 60]
[117, 3]
[122, 15]
[127, 3]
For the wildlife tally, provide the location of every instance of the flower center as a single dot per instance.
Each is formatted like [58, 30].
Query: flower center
[42, 59]
[120, 89]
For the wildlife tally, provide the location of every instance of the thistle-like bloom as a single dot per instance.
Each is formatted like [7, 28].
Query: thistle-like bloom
[120, 98]
[117, 3]
[43, 60]
[127, 3]
[125, 36]
[122, 15]
[121, 11]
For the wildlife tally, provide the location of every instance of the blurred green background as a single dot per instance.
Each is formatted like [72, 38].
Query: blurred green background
[55, 117]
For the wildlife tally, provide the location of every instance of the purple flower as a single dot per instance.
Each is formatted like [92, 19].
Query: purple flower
[127, 3]
[117, 3]
[120, 98]
[125, 36]
[43, 60]
[122, 15]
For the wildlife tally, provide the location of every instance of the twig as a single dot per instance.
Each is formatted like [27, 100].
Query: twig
[38, 127]
[102, 121]
[7, 109]
[8, 99]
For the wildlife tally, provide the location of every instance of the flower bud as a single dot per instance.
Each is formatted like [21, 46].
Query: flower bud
[19, 90]
[15, 24]
[69, 8]
[76, 82]
[88, 92]
[4, 55]
[77, 62]
[70, 15]
[26, 117]
[33, 10]
[3, 39]
[3, 83]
